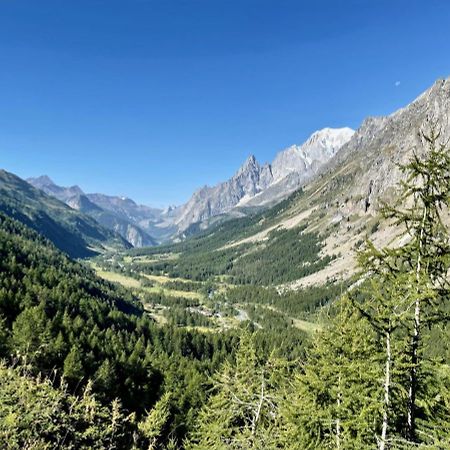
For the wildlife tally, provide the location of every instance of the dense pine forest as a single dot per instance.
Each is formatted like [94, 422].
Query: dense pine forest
[86, 364]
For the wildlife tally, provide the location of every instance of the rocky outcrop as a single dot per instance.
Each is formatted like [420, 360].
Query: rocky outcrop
[207, 202]
[370, 160]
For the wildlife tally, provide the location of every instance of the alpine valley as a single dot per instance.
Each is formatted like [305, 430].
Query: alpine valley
[300, 304]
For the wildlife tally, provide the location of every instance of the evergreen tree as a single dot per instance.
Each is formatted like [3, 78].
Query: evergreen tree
[73, 366]
[335, 402]
[409, 282]
[34, 414]
[154, 426]
[385, 306]
[243, 410]
[4, 338]
[31, 335]
[105, 377]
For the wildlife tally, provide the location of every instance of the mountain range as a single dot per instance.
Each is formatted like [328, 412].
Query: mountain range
[261, 185]
[119, 214]
[253, 185]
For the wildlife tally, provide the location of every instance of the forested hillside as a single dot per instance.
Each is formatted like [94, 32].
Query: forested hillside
[378, 375]
[62, 322]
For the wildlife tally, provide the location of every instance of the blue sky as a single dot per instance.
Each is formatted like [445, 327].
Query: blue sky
[154, 98]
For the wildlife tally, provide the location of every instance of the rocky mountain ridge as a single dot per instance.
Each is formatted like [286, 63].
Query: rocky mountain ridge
[258, 185]
[252, 185]
[372, 157]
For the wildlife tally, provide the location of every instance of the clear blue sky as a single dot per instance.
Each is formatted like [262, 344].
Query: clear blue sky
[154, 98]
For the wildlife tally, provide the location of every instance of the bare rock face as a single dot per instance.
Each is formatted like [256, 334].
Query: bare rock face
[256, 185]
[207, 202]
[370, 159]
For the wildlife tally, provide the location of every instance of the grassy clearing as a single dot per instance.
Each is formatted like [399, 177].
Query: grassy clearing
[162, 279]
[129, 282]
[117, 278]
[202, 329]
[160, 289]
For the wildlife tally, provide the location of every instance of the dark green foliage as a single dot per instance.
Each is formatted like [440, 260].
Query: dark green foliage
[243, 411]
[58, 310]
[335, 402]
[299, 304]
[287, 256]
[188, 286]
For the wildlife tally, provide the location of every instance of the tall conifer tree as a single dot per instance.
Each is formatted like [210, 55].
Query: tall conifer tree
[409, 287]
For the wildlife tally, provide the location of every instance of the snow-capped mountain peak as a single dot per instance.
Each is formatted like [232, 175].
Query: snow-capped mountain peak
[318, 149]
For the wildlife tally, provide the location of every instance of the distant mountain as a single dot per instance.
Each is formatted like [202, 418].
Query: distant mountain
[155, 222]
[256, 185]
[116, 213]
[61, 193]
[109, 219]
[207, 202]
[73, 232]
[125, 207]
[308, 157]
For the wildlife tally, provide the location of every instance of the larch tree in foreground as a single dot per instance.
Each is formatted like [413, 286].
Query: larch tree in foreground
[408, 289]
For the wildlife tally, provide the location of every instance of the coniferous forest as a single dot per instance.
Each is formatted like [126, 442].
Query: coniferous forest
[85, 366]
